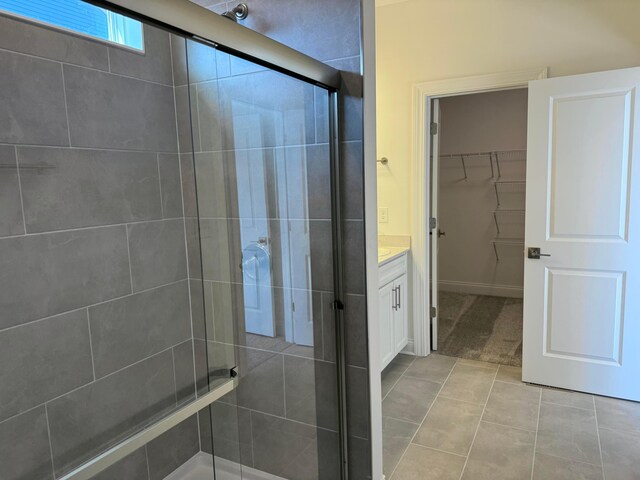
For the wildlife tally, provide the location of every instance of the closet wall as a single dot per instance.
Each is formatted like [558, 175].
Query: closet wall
[481, 251]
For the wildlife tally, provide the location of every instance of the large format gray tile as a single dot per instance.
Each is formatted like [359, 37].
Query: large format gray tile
[221, 251]
[396, 436]
[131, 328]
[278, 442]
[200, 66]
[173, 448]
[569, 433]
[421, 463]
[500, 452]
[232, 433]
[410, 399]
[568, 398]
[620, 453]
[183, 364]
[187, 119]
[432, 367]
[86, 421]
[618, 414]
[358, 415]
[450, 426]
[334, 33]
[42, 360]
[311, 394]
[110, 111]
[510, 374]
[352, 180]
[43, 275]
[353, 257]
[513, 405]
[209, 117]
[169, 166]
[154, 64]
[469, 383]
[11, 222]
[158, 253]
[546, 467]
[70, 188]
[32, 99]
[355, 319]
[24, 447]
[26, 37]
[261, 381]
[132, 467]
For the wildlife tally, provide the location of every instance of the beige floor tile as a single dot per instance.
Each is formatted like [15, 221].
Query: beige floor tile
[477, 363]
[510, 375]
[421, 463]
[569, 433]
[568, 398]
[618, 414]
[396, 436]
[433, 367]
[513, 405]
[469, 383]
[546, 467]
[450, 426]
[410, 399]
[620, 454]
[500, 452]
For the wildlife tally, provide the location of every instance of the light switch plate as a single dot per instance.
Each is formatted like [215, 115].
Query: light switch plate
[383, 215]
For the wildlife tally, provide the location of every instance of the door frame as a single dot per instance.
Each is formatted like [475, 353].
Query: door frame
[423, 93]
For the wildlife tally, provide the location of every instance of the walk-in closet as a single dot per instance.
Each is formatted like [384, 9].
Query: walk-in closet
[480, 180]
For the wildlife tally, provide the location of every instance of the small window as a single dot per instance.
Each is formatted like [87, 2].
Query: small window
[80, 17]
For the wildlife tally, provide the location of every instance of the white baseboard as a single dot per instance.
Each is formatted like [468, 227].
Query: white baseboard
[480, 289]
[408, 349]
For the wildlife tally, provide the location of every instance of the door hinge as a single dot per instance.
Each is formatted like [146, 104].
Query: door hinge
[432, 223]
[434, 128]
[433, 312]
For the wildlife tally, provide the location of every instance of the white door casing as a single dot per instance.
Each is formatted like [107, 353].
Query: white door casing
[435, 179]
[582, 303]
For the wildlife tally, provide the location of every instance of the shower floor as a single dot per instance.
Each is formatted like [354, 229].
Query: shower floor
[200, 466]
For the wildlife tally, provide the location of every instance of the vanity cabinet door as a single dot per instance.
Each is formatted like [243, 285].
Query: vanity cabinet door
[387, 311]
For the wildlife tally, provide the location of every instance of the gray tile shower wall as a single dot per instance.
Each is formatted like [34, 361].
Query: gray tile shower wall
[95, 308]
[297, 420]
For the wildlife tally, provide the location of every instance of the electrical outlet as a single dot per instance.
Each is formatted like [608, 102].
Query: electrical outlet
[383, 215]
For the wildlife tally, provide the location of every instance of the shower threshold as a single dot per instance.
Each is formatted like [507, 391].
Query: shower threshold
[200, 466]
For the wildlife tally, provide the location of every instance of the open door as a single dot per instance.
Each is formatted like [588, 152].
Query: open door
[434, 221]
[582, 272]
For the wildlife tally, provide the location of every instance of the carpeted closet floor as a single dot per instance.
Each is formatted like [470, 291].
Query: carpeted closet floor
[479, 327]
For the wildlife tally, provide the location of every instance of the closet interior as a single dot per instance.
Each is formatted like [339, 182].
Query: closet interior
[481, 217]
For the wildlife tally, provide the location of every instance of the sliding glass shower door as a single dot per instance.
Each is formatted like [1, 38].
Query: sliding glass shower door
[262, 216]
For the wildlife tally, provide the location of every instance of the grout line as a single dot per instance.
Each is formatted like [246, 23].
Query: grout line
[509, 426]
[478, 427]
[66, 107]
[566, 406]
[160, 185]
[595, 410]
[459, 400]
[421, 423]
[46, 415]
[284, 388]
[572, 460]
[399, 378]
[24, 216]
[175, 383]
[93, 365]
[146, 458]
[126, 230]
[438, 450]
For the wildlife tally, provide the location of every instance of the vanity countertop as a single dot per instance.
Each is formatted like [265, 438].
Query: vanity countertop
[386, 254]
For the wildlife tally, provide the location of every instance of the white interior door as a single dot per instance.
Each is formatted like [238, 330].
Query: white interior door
[435, 163]
[582, 303]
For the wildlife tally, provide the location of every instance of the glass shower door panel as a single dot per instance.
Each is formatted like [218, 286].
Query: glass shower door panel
[262, 169]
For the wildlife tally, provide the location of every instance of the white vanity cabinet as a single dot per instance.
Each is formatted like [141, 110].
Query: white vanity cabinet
[394, 334]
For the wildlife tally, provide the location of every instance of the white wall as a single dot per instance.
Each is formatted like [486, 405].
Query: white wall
[483, 122]
[422, 40]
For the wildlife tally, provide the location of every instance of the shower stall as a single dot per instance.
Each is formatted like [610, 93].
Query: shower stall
[170, 253]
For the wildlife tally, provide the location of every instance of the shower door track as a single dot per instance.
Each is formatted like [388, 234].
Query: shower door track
[130, 445]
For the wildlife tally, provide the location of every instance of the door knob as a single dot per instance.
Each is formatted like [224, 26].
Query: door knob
[534, 253]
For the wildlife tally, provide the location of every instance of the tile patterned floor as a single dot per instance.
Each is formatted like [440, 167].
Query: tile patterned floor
[453, 419]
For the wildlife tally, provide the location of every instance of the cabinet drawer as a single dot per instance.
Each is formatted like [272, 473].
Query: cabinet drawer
[392, 270]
